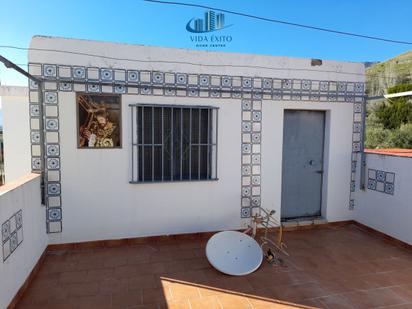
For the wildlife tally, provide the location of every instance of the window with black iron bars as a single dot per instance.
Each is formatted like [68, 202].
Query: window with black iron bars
[173, 143]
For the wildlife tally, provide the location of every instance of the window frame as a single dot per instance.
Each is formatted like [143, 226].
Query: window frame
[211, 146]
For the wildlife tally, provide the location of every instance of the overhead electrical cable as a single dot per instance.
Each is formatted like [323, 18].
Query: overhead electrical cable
[288, 23]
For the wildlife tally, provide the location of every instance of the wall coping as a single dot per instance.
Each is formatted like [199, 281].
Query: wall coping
[17, 183]
[14, 91]
[377, 152]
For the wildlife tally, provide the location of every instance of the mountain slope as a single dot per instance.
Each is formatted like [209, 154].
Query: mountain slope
[382, 75]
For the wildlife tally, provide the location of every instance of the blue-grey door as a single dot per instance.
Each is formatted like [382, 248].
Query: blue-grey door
[302, 163]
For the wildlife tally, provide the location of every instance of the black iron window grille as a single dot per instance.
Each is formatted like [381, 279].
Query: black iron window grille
[173, 143]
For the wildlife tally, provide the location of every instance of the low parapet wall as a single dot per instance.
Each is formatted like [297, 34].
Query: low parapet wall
[386, 203]
[24, 237]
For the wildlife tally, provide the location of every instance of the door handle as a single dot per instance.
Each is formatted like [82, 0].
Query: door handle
[319, 172]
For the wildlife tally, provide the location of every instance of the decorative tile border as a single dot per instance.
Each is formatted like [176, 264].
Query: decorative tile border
[12, 234]
[381, 181]
[79, 78]
[357, 145]
[50, 99]
[110, 80]
[251, 157]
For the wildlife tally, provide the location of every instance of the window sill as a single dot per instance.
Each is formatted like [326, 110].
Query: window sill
[172, 181]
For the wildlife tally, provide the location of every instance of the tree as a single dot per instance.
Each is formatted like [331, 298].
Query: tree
[389, 124]
[396, 111]
[376, 135]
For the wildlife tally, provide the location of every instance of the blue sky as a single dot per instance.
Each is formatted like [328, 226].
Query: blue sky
[141, 22]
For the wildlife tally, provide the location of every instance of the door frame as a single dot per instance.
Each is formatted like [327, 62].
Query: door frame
[325, 165]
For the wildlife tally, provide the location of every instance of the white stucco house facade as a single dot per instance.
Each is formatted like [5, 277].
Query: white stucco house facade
[255, 111]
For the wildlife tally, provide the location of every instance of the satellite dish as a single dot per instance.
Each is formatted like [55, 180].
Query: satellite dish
[234, 253]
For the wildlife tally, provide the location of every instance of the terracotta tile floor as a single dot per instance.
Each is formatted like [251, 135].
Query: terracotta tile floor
[334, 267]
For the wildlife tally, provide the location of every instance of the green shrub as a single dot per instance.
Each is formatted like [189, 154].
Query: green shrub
[389, 123]
[402, 137]
[399, 88]
[396, 111]
[377, 137]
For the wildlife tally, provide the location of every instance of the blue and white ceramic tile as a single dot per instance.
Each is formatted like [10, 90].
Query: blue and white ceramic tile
[286, 84]
[158, 78]
[35, 163]
[181, 79]
[49, 70]
[93, 88]
[54, 213]
[119, 89]
[65, 86]
[146, 89]
[246, 82]
[245, 212]
[106, 74]
[34, 110]
[35, 137]
[52, 124]
[204, 80]
[245, 191]
[226, 81]
[53, 163]
[256, 201]
[193, 92]
[381, 181]
[12, 234]
[79, 72]
[53, 150]
[53, 188]
[133, 76]
[50, 97]
[169, 91]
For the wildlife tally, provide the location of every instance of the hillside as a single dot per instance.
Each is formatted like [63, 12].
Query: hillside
[383, 75]
[389, 122]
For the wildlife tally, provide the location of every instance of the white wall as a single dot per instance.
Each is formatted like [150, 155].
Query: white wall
[390, 214]
[16, 132]
[337, 156]
[190, 61]
[24, 194]
[99, 203]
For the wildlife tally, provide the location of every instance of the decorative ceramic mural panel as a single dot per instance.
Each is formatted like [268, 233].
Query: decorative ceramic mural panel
[12, 234]
[381, 181]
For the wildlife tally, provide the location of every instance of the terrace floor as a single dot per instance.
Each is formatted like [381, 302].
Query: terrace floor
[331, 267]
